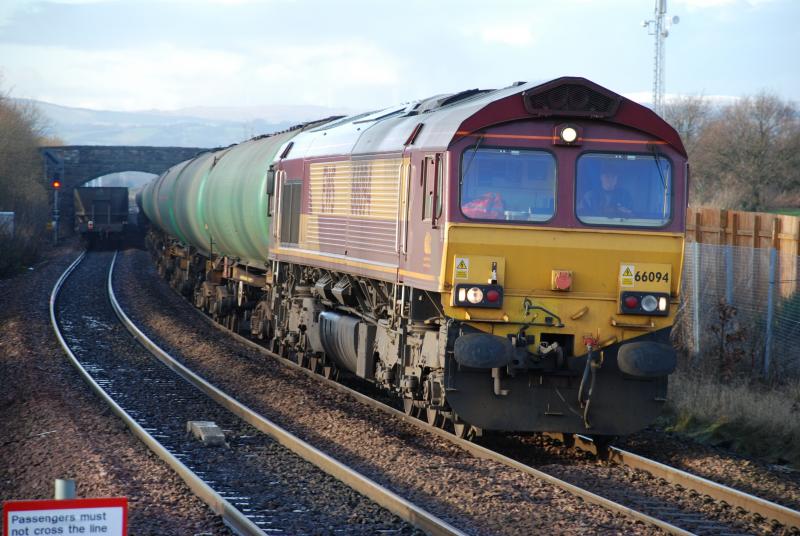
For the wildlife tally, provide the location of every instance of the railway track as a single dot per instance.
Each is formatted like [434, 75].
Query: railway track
[258, 482]
[675, 518]
[719, 492]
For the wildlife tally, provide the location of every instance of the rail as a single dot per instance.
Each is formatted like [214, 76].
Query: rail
[751, 503]
[232, 517]
[404, 509]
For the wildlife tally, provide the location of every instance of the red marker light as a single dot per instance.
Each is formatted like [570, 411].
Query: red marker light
[56, 184]
[563, 281]
[631, 302]
[493, 296]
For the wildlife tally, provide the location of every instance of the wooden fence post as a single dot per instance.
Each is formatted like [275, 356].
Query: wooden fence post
[698, 223]
[696, 297]
[733, 228]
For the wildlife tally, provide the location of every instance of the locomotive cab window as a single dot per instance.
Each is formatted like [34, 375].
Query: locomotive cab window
[508, 184]
[632, 190]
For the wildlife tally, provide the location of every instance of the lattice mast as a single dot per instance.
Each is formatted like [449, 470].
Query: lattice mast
[659, 28]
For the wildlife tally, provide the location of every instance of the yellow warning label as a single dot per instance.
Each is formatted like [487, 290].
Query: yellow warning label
[626, 275]
[462, 268]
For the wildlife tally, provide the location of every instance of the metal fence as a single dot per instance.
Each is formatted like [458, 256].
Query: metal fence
[740, 313]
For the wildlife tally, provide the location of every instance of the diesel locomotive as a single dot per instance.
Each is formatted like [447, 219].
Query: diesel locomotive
[500, 260]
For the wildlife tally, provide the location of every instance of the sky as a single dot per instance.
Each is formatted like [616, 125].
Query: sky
[135, 55]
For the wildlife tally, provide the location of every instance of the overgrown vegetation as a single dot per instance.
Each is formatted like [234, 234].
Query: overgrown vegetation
[22, 186]
[746, 416]
[745, 155]
[723, 397]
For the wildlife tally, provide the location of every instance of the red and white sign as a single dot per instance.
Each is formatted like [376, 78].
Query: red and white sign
[96, 517]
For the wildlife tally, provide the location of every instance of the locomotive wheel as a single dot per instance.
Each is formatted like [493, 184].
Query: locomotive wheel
[434, 416]
[464, 431]
[602, 444]
[330, 372]
[410, 407]
[460, 429]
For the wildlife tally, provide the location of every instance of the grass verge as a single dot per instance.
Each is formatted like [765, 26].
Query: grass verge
[751, 419]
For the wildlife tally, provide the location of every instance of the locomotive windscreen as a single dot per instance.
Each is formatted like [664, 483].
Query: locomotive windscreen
[624, 189]
[508, 184]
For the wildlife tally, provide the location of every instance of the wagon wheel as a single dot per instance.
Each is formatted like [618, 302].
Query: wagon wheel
[408, 407]
[433, 416]
[461, 429]
[602, 445]
[330, 372]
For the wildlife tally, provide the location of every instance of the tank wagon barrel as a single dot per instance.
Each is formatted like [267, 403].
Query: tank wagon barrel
[506, 259]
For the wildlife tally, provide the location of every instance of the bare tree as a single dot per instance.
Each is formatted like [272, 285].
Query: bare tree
[22, 188]
[689, 115]
[747, 154]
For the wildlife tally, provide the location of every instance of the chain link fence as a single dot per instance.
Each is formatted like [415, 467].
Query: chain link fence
[740, 312]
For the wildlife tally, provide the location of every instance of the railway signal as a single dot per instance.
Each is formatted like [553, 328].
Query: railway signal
[55, 184]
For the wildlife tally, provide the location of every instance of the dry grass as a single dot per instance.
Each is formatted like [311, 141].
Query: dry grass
[750, 418]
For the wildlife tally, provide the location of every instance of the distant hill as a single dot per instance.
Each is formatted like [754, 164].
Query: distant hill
[189, 127]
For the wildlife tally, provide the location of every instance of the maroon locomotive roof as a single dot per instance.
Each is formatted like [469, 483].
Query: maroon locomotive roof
[573, 97]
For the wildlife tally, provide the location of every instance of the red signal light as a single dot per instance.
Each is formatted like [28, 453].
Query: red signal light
[631, 302]
[56, 184]
[493, 296]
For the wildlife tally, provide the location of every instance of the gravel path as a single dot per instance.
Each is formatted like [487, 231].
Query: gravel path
[480, 496]
[52, 426]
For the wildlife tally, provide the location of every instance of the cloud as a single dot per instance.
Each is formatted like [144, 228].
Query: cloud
[165, 76]
[328, 74]
[512, 34]
[692, 5]
[160, 76]
[646, 97]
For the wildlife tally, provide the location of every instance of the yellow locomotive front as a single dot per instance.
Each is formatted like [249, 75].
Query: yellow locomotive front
[561, 264]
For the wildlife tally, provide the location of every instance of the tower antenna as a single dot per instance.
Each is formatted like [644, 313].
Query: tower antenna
[659, 27]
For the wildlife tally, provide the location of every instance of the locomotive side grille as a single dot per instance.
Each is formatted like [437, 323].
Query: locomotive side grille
[353, 205]
[571, 100]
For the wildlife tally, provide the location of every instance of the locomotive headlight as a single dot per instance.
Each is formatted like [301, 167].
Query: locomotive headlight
[569, 134]
[662, 304]
[649, 303]
[475, 295]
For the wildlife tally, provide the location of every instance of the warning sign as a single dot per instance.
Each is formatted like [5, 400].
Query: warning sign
[626, 272]
[107, 517]
[462, 268]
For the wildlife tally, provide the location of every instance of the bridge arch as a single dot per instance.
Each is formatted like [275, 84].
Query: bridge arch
[75, 165]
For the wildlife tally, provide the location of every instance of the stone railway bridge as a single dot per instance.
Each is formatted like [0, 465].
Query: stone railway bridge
[75, 165]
